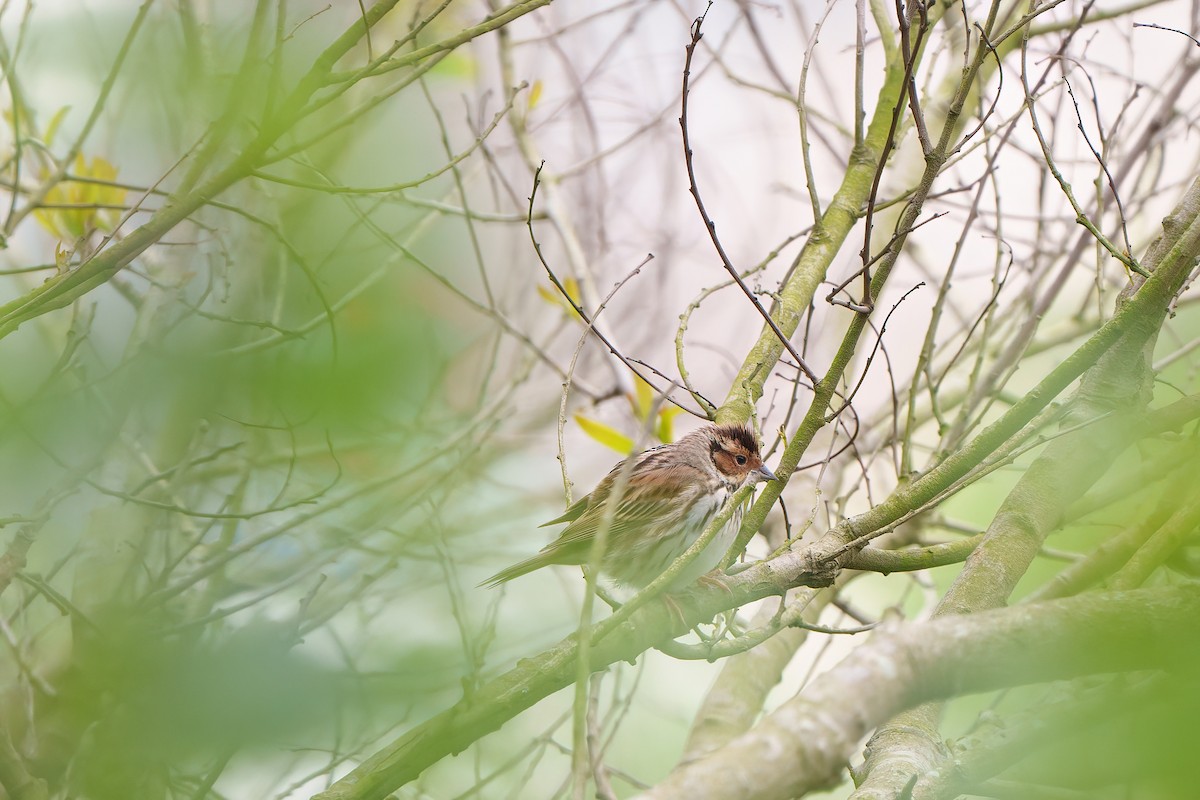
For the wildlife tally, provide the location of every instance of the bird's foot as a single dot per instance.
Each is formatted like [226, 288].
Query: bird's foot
[715, 580]
[673, 606]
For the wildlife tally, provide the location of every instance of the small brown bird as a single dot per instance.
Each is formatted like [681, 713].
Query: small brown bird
[672, 493]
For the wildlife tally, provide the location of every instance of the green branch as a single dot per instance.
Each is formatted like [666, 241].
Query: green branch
[804, 745]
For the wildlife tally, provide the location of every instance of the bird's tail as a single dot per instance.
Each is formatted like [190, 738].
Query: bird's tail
[516, 571]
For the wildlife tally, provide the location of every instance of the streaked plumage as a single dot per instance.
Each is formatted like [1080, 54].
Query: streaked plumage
[672, 492]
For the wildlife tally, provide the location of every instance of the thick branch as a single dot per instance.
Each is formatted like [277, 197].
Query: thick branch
[805, 744]
[1005, 740]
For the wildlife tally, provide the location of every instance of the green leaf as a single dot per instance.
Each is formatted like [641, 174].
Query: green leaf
[605, 435]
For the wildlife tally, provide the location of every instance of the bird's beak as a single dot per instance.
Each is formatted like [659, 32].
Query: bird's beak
[766, 473]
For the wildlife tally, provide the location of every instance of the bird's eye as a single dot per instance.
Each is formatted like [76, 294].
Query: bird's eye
[741, 460]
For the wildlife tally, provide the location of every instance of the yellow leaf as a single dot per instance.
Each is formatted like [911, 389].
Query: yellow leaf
[552, 295]
[572, 287]
[74, 223]
[643, 398]
[535, 94]
[605, 435]
[664, 430]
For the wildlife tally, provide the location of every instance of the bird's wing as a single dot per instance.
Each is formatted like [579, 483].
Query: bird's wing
[577, 509]
[652, 496]
[573, 512]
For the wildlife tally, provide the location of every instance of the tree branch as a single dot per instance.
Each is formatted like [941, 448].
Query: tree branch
[805, 744]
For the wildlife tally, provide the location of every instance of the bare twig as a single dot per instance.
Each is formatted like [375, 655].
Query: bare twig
[709, 225]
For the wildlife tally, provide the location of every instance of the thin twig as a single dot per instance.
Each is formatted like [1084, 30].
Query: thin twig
[709, 225]
[587, 319]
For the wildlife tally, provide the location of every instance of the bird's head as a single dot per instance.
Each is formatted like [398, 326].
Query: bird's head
[734, 453]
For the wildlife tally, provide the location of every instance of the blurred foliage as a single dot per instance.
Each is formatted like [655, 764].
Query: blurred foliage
[1116, 738]
[252, 429]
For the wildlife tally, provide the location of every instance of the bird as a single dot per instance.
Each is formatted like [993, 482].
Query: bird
[671, 493]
